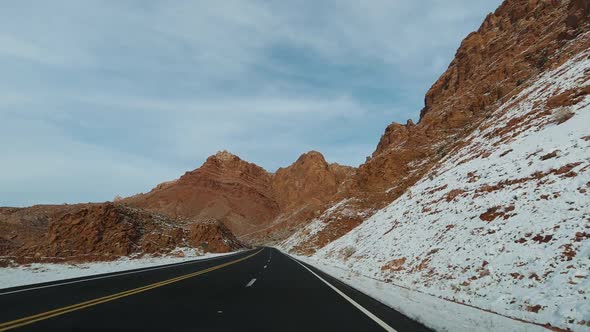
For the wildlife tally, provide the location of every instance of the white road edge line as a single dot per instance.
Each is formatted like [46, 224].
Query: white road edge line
[251, 282]
[353, 302]
[113, 275]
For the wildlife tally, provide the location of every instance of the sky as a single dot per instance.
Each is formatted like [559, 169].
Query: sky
[111, 97]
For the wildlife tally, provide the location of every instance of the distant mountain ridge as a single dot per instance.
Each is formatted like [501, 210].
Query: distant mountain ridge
[243, 195]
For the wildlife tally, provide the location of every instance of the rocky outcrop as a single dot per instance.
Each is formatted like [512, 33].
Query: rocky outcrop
[104, 231]
[212, 235]
[303, 190]
[309, 180]
[226, 188]
[514, 45]
[22, 227]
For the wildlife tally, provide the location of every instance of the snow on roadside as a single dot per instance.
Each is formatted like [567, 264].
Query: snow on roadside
[431, 311]
[45, 272]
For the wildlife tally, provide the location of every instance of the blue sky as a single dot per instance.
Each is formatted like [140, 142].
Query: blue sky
[105, 98]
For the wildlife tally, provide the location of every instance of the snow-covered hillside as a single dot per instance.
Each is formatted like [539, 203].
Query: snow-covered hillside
[503, 223]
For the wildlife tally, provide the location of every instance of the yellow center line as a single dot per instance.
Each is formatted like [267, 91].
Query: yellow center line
[60, 311]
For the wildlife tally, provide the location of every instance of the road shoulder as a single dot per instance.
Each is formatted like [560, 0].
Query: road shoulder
[435, 313]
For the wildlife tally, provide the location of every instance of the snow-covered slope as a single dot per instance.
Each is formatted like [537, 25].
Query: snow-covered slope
[503, 222]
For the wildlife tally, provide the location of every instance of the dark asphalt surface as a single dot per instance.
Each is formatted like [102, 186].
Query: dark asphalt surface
[284, 297]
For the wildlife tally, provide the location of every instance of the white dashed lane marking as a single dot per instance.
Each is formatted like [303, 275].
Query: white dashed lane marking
[251, 282]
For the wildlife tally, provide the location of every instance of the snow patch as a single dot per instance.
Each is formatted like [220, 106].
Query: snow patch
[46, 272]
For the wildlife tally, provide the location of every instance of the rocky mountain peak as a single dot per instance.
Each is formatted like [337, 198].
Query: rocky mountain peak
[224, 155]
[309, 179]
[223, 158]
[305, 164]
[311, 156]
[227, 165]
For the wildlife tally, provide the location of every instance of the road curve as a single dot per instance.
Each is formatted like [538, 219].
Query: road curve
[257, 290]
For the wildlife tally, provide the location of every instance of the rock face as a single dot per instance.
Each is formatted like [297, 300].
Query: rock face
[514, 44]
[90, 232]
[303, 190]
[310, 180]
[204, 208]
[212, 235]
[226, 188]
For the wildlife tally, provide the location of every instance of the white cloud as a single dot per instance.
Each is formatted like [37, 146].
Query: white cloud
[41, 164]
[103, 98]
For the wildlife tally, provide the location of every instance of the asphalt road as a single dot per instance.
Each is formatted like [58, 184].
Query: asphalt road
[213, 295]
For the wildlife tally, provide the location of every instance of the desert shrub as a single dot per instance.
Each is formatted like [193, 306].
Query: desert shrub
[348, 251]
[562, 114]
[432, 175]
[542, 61]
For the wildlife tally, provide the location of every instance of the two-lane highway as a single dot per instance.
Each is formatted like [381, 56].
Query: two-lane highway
[257, 290]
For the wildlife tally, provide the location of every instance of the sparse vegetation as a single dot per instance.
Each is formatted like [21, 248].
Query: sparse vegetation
[348, 251]
[562, 114]
[542, 61]
[432, 175]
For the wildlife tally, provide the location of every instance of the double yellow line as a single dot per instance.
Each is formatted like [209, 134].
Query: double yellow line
[58, 312]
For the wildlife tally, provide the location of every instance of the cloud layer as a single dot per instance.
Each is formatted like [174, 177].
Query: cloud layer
[100, 98]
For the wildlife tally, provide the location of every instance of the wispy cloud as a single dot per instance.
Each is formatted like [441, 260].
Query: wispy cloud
[110, 97]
